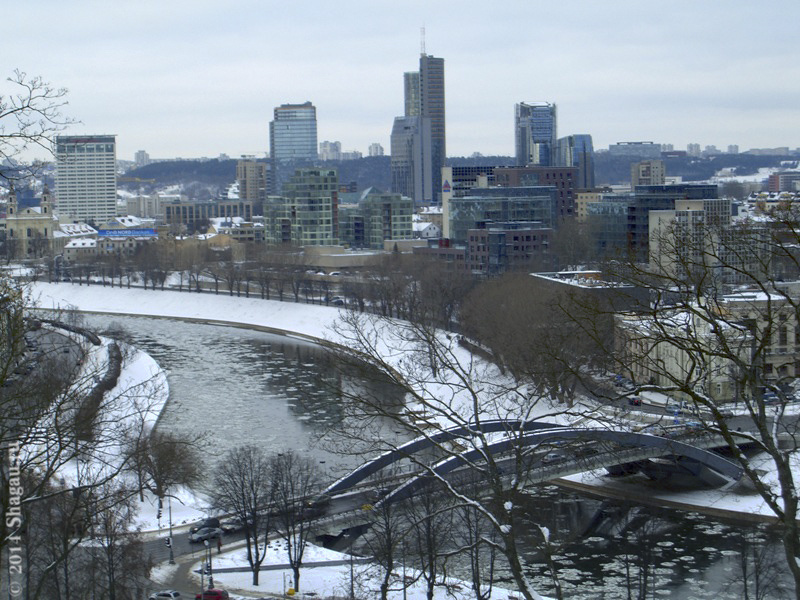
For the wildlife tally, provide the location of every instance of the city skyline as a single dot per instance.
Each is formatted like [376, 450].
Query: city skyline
[195, 79]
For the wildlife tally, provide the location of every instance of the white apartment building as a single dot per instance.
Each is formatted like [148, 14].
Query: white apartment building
[86, 182]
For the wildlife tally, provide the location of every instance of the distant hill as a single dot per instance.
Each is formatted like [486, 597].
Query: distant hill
[205, 179]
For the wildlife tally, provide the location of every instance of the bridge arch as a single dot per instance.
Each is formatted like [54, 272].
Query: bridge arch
[422, 443]
[626, 438]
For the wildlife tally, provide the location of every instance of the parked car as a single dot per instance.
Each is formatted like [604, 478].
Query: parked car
[635, 401]
[212, 594]
[165, 595]
[206, 533]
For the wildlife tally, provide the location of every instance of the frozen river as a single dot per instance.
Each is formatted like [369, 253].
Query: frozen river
[242, 386]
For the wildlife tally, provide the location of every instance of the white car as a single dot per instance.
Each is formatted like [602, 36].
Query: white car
[165, 595]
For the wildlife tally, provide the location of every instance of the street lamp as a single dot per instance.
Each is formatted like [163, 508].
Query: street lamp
[210, 570]
[171, 554]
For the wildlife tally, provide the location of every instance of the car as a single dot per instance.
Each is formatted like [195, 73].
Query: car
[231, 526]
[212, 594]
[635, 401]
[206, 533]
[205, 523]
[552, 457]
[165, 595]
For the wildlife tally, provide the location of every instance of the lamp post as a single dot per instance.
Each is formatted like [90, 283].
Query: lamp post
[171, 554]
[210, 570]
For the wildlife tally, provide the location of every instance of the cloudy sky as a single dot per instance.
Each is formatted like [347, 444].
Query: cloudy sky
[199, 78]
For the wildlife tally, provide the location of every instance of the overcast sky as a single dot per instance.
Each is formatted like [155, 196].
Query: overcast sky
[199, 78]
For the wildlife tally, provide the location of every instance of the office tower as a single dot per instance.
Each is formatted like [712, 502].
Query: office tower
[733, 149]
[535, 133]
[141, 159]
[693, 149]
[86, 178]
[411, 159]
[375, 149]
[411, 93]
[419, 148]
[431, 102]
[293, 132]
[577, 151]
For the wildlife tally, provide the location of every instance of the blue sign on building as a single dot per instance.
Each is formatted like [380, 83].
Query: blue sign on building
[126, 232]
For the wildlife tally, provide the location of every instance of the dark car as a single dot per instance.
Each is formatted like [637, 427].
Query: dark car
[213, 594]
[206, 533]
[635, 401]
[205, 523]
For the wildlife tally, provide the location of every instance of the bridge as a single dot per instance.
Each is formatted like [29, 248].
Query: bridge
[690, 454]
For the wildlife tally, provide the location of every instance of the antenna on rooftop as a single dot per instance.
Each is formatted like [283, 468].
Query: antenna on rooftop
[422, 40]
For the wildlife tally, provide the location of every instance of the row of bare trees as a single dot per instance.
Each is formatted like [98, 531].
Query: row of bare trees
[75, 493]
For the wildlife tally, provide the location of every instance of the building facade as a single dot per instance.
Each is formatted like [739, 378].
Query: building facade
[648, 172]
[411, 159]
[86, 178]
[577, 151]
[293, 132]
[535, 133]
[308, 212]
[253, 179]
[419, 148]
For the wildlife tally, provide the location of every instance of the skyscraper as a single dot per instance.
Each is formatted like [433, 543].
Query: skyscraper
[293, 132]
[86, 177]
[419, 139]
[535, 133]
[577, 151]
[431, 102]
[411, 158]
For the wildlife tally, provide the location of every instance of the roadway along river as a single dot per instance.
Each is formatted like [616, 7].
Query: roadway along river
[240, 386]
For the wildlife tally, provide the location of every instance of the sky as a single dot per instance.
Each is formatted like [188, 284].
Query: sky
[182, 78]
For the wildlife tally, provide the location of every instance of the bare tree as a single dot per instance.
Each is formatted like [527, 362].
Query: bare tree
[450, 389]
[297, 479]
[30, 118]
[246, 487]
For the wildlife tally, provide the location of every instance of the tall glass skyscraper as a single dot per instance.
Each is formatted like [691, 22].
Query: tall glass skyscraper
[577, 151]
[535, 133]
[86, 177]
[293, 132]
[419, 149]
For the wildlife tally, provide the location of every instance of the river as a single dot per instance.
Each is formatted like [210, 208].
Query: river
[242, 386]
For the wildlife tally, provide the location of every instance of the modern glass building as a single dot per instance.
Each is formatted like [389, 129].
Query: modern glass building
[535, 133]
[411, 158]
[501, 205]
[86, 177]
[308, 212]
[577, 151]
[419, 148]
[293, 132]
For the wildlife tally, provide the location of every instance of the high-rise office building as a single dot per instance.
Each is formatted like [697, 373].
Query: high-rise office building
[421, 131]
[86, 177]
[293, 132]
[292, 141]
[577, 151]
[431, 102]
[535, 133]
[411, 158]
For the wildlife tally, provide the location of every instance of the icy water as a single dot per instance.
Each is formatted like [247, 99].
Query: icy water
[240, 386]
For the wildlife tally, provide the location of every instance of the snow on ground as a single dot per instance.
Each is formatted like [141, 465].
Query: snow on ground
[320, 581]
[316, 322]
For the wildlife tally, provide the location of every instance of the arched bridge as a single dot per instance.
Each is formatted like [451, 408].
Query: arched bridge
[637, 446]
